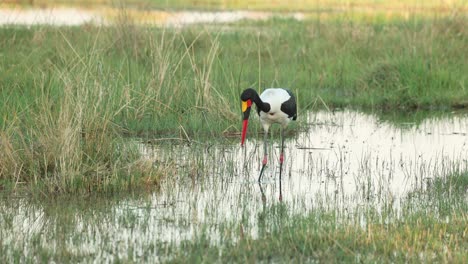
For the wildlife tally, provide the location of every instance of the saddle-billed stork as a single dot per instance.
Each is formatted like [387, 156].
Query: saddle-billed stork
[274, 105]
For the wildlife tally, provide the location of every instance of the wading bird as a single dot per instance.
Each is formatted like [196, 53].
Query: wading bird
[274, 105]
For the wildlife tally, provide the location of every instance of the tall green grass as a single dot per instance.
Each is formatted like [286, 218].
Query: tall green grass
[61, 104]
[70, 96]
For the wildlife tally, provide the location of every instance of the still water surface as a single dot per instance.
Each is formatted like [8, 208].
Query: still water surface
[344, 161]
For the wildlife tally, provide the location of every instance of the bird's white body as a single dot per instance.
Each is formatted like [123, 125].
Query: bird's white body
[274, 105]
[275, 97]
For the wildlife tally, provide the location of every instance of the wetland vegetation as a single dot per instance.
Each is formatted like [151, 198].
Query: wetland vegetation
[79, 106]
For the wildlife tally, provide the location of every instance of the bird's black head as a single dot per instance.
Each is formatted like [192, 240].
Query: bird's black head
[247, 97]
[247, 94]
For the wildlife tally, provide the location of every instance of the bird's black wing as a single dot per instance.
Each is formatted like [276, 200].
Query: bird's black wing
[290, 107]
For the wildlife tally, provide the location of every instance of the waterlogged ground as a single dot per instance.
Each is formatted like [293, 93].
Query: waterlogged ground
[344, 162]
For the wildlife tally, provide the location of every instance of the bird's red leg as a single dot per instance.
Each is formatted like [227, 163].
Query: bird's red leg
[281, 159]
[265, 157]
[263, 194]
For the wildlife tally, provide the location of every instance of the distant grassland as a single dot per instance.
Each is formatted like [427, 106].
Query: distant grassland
[69, 95]
[161, 79]
[277, 5]
[150, 10]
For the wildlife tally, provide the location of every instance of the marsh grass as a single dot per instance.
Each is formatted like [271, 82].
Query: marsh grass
[64, 119]
[71, 96]
[209, 211]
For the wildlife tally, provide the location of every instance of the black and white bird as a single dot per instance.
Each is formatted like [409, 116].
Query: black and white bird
[274, 105]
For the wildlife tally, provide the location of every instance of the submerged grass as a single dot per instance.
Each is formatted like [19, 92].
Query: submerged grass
[429, 227]
[70, 96]
[420, 233]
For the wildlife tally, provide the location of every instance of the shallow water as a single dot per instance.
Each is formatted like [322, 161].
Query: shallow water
[76, 16]
[344, 162]
[51, 16]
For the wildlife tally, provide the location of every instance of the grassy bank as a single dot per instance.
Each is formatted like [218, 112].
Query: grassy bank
[70, 96]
